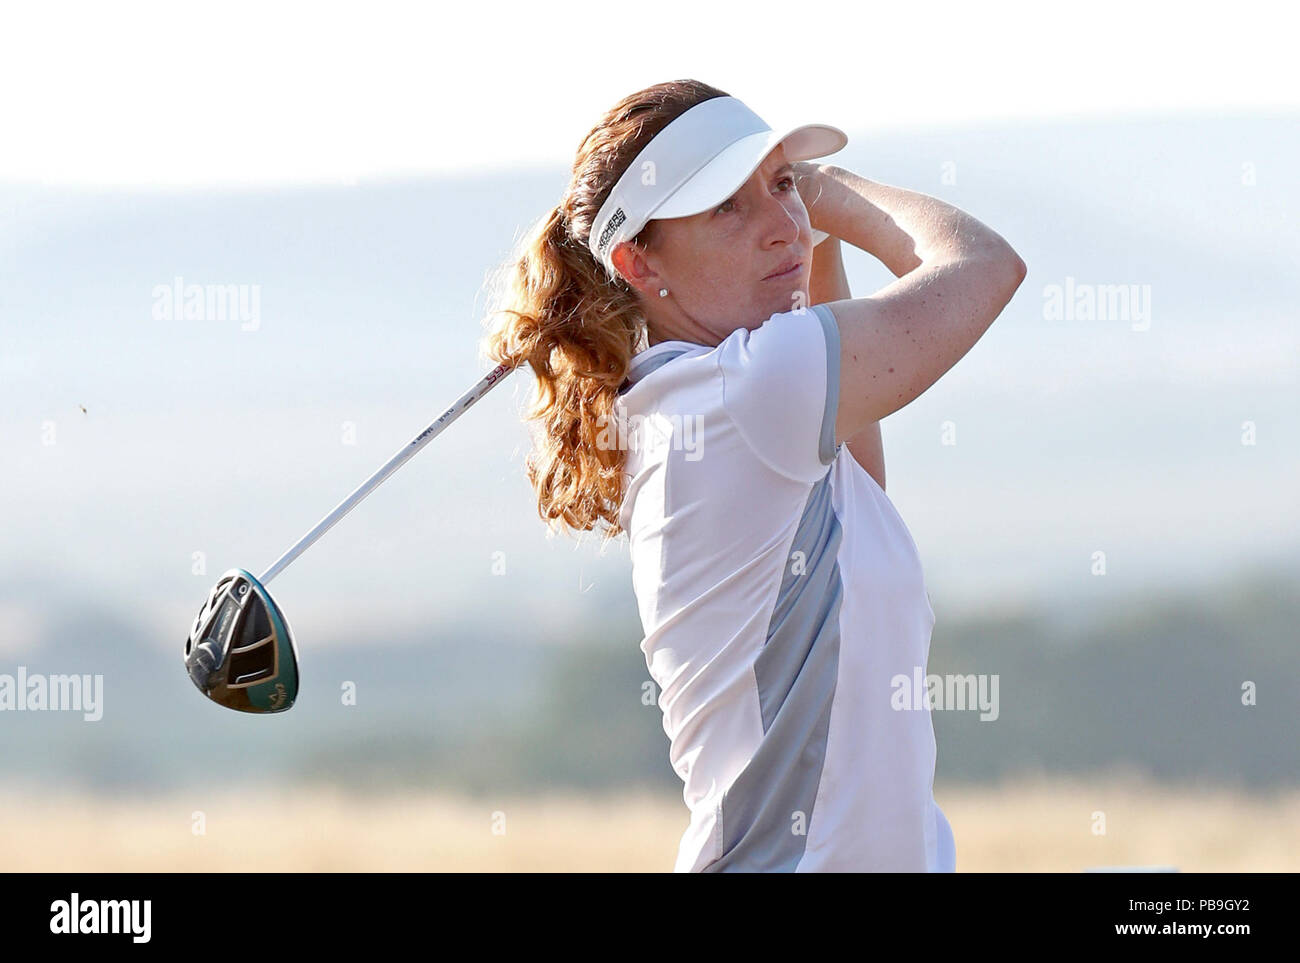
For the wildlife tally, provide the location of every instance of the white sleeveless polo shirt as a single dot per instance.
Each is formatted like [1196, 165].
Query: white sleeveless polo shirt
[781, 596]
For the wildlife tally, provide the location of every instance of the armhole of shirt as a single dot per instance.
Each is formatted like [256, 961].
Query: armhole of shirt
[827, 449]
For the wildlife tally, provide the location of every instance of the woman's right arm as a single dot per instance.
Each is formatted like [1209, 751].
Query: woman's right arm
[955, 275]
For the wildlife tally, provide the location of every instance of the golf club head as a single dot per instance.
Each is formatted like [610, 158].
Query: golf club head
[240, 652]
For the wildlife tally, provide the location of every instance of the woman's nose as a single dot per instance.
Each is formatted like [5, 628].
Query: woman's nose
[782, 225]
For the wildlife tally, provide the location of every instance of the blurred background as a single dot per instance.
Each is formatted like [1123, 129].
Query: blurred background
[1103, 492]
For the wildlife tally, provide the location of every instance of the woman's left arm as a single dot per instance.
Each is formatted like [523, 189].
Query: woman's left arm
[827, 282]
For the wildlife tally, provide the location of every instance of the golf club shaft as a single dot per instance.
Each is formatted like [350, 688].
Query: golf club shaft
[461, 405]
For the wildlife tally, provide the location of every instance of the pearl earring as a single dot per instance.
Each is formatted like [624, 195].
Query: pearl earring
[663, 292]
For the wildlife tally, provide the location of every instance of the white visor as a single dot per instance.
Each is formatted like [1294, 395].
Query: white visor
[695, 163]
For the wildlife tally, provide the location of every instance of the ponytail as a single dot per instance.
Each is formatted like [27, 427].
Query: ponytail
[577, 332]
[576, 327]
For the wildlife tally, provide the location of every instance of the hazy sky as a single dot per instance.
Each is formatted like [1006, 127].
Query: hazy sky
[157, 93]
[1075, 435]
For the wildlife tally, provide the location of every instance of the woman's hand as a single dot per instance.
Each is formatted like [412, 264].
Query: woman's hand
[809, 181]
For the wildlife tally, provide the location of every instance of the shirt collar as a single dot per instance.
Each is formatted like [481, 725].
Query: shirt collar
[652, 358]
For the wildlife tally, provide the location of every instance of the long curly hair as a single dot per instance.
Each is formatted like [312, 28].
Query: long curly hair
[576, 327]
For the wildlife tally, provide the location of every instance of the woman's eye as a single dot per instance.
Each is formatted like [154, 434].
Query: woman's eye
[787, 180]
[726, 206]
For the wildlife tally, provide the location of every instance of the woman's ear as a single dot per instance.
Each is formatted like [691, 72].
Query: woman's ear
[631, 263]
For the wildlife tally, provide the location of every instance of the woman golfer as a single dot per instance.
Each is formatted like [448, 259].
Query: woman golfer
[707, 385]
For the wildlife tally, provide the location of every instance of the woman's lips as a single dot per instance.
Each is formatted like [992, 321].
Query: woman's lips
[785, 274]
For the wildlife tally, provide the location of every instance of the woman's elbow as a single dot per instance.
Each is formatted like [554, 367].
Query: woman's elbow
[1018, 267]
[1011, 271]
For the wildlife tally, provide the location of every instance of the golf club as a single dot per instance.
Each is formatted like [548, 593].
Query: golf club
[240, 652]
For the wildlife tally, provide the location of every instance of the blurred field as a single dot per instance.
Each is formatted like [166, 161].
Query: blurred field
[1042, 824]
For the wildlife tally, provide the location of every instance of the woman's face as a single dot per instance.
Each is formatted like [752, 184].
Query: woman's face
[718, 265]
